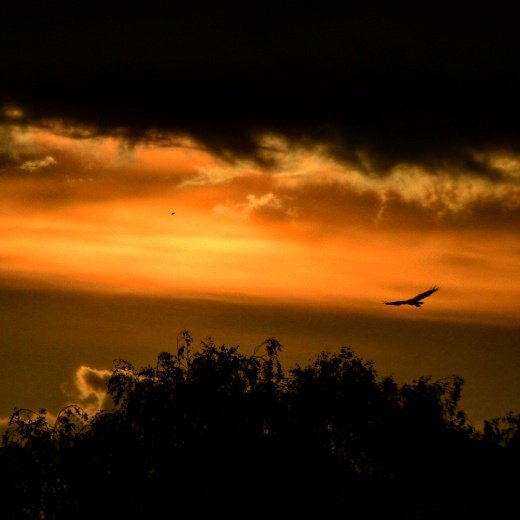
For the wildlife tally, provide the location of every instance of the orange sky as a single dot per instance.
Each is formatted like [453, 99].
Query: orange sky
[95, 214]
[88, 214]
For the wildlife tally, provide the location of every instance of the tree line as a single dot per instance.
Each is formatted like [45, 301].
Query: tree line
[220, 433]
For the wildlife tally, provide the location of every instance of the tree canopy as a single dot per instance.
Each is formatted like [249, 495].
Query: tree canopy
[214, 431]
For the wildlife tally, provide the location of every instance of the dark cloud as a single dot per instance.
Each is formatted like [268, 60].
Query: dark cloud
[377, 88]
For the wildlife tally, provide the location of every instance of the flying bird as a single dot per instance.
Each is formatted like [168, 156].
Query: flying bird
[416, 300]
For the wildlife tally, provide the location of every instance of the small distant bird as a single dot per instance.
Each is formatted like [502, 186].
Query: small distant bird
[173, 212]
[416, 300]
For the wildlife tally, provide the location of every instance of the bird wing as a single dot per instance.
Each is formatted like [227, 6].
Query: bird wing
[398, 302]
[424, 294]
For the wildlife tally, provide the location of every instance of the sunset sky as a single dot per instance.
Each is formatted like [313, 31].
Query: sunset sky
[317, 164]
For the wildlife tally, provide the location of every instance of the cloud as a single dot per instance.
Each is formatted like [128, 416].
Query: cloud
[47, 169]
[89, 389]
[37, 164]
[377, 89]
[266, 204]
[305, 184]
[14, 149]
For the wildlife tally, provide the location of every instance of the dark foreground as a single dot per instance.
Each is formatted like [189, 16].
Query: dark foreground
[225, 435]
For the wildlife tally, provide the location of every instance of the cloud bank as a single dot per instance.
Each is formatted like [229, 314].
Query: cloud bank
[376, 88]
[45, 171]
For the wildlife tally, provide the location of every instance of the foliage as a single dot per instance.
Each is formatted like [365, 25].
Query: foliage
[214, 431]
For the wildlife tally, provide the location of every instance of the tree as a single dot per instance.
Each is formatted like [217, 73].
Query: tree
[212, 431]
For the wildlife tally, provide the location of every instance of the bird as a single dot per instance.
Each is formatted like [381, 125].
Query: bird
[173, 212]
[416, 300]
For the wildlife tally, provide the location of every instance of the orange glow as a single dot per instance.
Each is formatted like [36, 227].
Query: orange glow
[95, 214]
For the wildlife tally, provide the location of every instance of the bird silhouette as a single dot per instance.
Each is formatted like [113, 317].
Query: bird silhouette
[416, 300]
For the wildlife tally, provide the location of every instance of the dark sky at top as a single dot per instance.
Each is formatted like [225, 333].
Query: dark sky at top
[427, 87]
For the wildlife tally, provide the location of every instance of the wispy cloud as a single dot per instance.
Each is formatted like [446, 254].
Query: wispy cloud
[38, 164]
[266, 203]
[94, 169]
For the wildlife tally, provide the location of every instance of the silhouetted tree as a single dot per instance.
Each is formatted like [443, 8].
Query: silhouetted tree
[219, 433]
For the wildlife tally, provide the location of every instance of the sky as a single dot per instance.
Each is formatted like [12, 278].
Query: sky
[255, 172]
